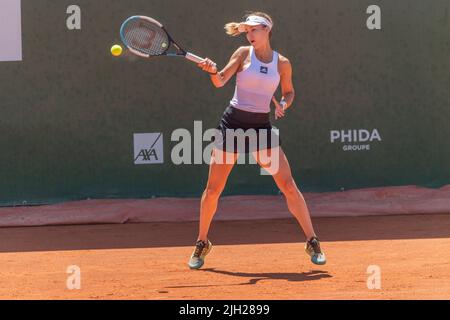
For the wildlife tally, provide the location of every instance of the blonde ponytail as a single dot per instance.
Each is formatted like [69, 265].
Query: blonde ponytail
[231, 29]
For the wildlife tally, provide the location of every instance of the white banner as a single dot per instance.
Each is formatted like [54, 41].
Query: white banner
[10, 30]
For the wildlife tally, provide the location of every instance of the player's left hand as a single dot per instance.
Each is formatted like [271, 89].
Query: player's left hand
[279, 110]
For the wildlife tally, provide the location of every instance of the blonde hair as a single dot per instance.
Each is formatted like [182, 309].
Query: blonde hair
[231, 28]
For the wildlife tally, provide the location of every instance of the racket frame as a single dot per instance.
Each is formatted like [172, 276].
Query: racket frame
[182, 53]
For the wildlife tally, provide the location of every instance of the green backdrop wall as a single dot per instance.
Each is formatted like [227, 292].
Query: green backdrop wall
[69, 109]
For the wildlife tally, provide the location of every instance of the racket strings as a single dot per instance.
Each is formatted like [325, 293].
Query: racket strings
[145, 37]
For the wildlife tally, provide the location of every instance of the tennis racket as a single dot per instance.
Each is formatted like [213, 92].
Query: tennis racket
[146, 37]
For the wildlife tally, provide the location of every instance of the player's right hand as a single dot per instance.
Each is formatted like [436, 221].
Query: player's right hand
[208, 65]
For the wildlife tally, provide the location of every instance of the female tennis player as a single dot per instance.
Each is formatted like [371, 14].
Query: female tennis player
[259, 70]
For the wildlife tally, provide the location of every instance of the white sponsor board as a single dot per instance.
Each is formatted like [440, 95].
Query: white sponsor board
[148, 148]
[10, 30]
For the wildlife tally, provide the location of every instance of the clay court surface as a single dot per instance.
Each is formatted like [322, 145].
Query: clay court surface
[260, 259]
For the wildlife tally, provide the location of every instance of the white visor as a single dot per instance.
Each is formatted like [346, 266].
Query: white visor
[254, 21]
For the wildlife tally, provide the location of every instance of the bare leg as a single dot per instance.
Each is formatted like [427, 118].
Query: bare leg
[295, 201]
[218, 175]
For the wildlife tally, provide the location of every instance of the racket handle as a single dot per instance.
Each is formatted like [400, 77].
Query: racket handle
[194, 58]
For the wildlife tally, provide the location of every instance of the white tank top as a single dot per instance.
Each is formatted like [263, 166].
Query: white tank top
[256, 84]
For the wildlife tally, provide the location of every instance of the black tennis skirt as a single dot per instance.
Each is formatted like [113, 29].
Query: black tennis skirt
[245, 131]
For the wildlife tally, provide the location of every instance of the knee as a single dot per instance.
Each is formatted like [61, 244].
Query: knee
[289, 188]
[212, 191]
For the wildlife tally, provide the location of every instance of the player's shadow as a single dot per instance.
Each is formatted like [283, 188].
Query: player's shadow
[256, 277]
[291, 276]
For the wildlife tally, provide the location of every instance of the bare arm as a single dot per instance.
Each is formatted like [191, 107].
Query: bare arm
[220, 78]
[287, 88]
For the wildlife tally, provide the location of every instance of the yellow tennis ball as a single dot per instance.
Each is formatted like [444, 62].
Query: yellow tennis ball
[116, 50]
[164, 45]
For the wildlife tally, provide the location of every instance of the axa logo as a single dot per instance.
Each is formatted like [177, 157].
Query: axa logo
[147, 155]
[148, 148]
[352, 138]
